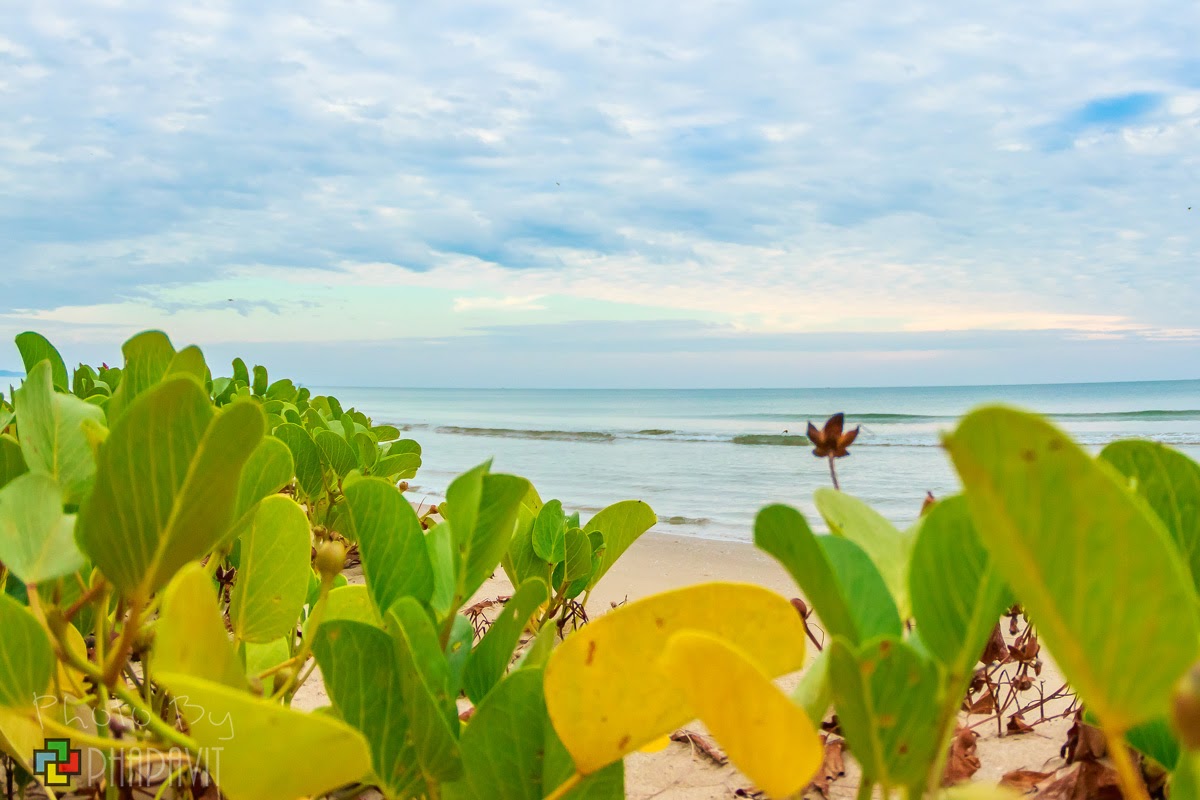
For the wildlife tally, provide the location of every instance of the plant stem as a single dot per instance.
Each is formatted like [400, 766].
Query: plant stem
[566, 786]
[302, 656]
[174, 776]
[833, 474]
[1132, 787]
[118, 657]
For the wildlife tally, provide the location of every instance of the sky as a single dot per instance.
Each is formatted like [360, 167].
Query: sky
[608, 194]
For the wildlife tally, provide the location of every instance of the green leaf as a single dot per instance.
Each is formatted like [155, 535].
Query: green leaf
[240, 373]
[1156, 740]
[957, 595]
[272, 578]
[888, 548]
[261, 657]
[36, 348]
[390, 540]
[458, 651]
[259, 385]
[147, 357]
[886, 694]
[834, 573]
[482, 509]
[503, 745]
[385, 433]
[400, 467]
[521, 562]
[1087, 558]
[492, 655]
[267, 471]
[1170, 482]
[190, 636]
[189, 361]
[814, 692]
[335, 452]
[550, 533]
[439, 545]
[425, 677]
[621, 523]
[12, 462]
[305, 456]
[282, 389]
[368, 450]
[52, 434]
[352, 602]
[404, 447]
[37, 541]
[359, 665]
[166, 484]
[577, 563]
[608, 783]
[267, 770]
[26, 659]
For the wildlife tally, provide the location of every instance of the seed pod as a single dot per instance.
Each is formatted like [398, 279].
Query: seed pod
[331, 558]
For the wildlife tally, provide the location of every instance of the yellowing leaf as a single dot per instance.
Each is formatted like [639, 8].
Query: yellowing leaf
[250, 744]
[604, 699]
[766, 735]
[190, 634]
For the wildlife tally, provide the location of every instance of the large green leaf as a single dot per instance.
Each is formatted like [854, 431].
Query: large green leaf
[35, 348]
[272, 576]
[352, 602]
[37, 541]
[886, 694]
[491, 656]
[219, 717]
[305, 456]
[190, 636]
[26, 659]
[1088, 558]
[482, 509]
[888, 548]
[621, 523]
[166, 485]
[268, 470]
[147, 358]
[957, 595]
[390, 540]
[12, 461]
[1170, 482]
[439, 545]
[52, 433]
[549, 532]
[336, 452]
[834, 573]
[510, 750]
[425, 677]
[359, 664]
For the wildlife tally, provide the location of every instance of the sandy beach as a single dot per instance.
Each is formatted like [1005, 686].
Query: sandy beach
[658, 562]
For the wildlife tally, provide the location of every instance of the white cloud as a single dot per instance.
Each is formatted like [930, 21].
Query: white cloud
[924, 167]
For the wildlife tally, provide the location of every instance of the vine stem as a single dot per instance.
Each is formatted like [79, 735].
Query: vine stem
[1132, 786]
[565, 787]
[833, 474]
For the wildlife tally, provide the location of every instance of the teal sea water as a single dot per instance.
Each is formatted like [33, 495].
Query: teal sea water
[707, 460]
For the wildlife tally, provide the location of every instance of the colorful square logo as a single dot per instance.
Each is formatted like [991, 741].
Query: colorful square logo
[56, 763]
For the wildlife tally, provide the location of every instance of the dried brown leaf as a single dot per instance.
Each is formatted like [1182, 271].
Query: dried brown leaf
[1024, 780]
[997, 648]
[962, 763]
[1088, 780]
[1017, 725]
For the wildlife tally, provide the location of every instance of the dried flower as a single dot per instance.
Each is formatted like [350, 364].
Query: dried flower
[831, 441]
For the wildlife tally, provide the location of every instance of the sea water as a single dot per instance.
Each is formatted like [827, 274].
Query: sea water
[707, 459]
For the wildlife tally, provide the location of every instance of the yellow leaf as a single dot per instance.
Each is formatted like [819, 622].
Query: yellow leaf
[765, 734]
[657, 746]
[70, 680]
[605, 696]
[250, 744]
[20, 734]
[190, 635]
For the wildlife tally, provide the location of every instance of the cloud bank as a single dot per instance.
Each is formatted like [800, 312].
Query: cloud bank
[751, 193]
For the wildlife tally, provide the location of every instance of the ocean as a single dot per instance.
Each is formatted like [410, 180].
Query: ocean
[707, 459]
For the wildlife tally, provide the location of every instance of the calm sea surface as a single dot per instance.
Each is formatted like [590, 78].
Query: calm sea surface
[707, 460]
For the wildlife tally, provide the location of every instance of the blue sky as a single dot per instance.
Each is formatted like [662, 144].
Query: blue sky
[609, 194]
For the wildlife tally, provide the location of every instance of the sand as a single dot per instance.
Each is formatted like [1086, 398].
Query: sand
[658, 562]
